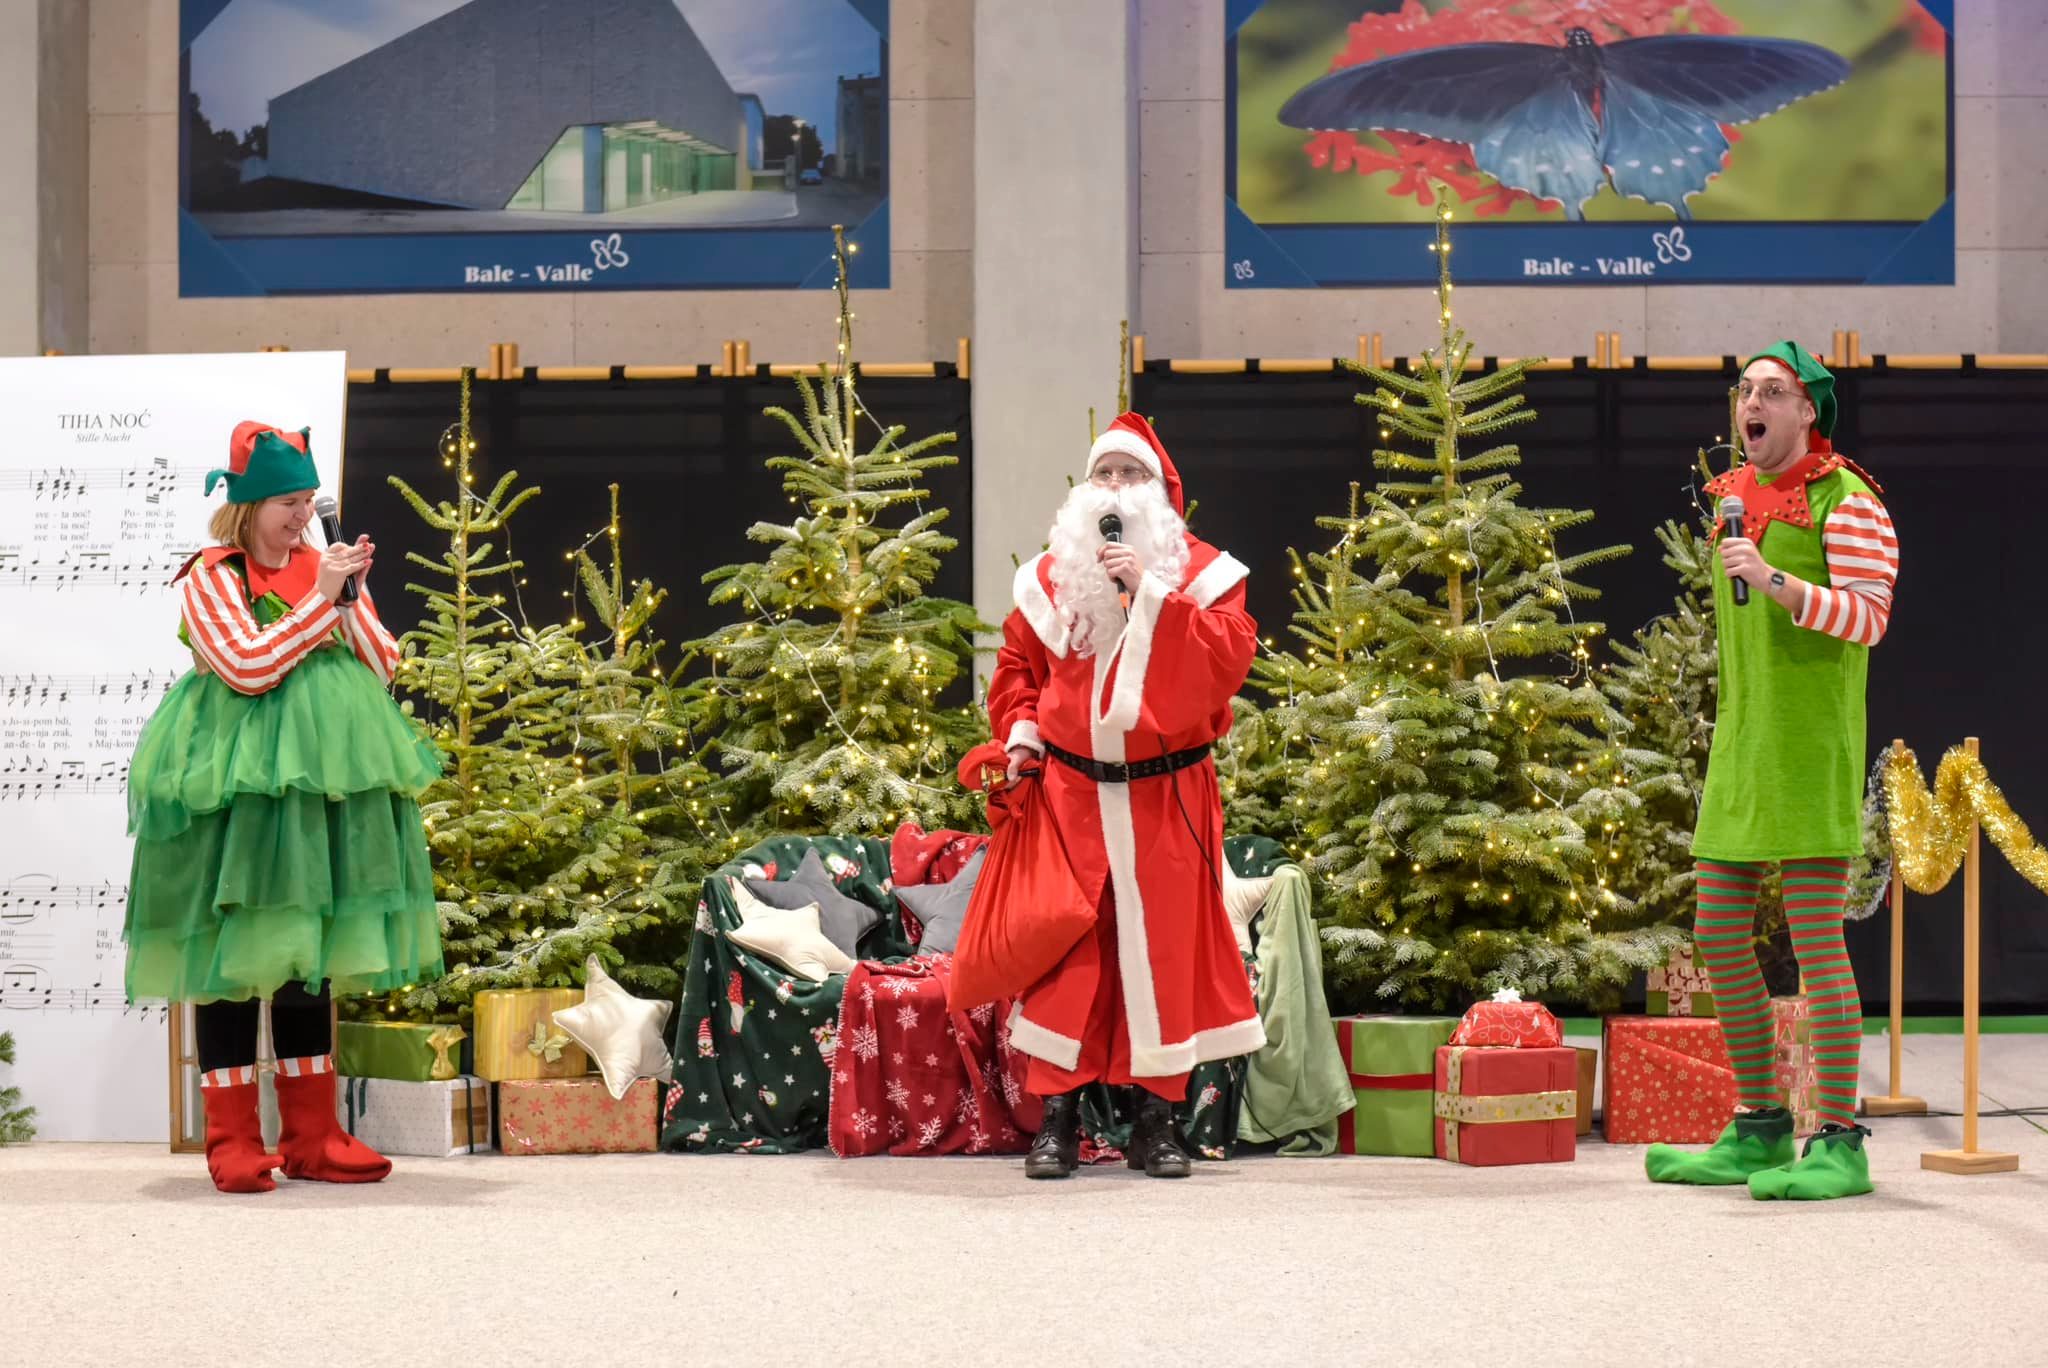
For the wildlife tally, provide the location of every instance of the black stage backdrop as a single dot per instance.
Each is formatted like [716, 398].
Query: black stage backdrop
[1961, 461]
[687, 457]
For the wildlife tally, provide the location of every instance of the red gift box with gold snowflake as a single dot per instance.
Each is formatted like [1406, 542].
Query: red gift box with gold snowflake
[1499, 1105]
[1668, 1079]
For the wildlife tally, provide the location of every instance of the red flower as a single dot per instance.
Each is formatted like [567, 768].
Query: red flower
[1416, 160]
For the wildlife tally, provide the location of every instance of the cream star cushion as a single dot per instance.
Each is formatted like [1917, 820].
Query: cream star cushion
[621, 1032]
[788, 936]
[1243, 899]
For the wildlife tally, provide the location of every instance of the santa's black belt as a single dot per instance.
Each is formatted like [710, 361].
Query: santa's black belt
[1118, 772]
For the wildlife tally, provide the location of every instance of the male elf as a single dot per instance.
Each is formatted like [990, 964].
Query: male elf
[1784, 785]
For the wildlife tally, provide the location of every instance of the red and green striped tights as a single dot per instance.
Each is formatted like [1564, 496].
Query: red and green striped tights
[1816, 891]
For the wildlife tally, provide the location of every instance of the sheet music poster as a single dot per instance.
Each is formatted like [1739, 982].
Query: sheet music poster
[101, 500]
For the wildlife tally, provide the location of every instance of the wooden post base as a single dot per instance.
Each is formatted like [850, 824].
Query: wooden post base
[1969, 1161]
[1895, 1106]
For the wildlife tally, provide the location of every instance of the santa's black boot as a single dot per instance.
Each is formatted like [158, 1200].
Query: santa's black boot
[1057, 1150]
[1154, 1147]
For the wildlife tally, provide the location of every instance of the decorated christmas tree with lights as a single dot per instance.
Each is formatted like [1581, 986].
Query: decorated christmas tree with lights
[542, 849]
[819, 707]
[1458, 783]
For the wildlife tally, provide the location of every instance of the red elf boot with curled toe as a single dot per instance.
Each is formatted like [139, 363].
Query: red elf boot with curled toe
[310, 1136]
[234, 1138]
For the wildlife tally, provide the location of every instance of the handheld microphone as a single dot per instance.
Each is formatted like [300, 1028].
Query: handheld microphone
[1731, 518]
[329, 513]
[1112, 529]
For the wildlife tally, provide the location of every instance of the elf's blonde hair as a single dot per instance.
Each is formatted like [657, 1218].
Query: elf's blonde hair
[231, 524]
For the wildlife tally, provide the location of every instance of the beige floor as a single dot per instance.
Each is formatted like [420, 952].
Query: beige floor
[123, 1254]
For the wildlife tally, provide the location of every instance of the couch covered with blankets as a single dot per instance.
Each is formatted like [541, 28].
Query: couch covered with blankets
[786, 1042]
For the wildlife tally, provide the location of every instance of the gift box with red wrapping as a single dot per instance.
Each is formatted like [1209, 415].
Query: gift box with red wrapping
[1507, 1020]
[1668, 1079]
[1506, 1106]
[1793, 1066]
[576, 1116]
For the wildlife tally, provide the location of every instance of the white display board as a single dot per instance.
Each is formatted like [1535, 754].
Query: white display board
[102, 470]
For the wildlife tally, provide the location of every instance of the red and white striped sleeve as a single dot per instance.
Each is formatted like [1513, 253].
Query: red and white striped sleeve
[1863, 563]
[249, 658]
[373, 645]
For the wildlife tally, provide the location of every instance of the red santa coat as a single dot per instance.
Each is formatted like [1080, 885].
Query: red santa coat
[1168, 688]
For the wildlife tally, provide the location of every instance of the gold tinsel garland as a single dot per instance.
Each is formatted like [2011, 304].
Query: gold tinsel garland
[1931, 832]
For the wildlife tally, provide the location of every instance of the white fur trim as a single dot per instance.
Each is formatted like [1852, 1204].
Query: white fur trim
[1037, 607]
[1216, 580]
[1134, 650]
[1025, 733]
[1129, 443]
[1224, 1042]
[1028, 1037]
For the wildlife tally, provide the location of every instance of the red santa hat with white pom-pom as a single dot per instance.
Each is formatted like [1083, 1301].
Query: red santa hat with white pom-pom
[1132, 436]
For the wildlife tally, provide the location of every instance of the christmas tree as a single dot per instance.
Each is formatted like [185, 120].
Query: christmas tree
[1448, 747]
[819, 707]
[17, 1123]
[490, 690]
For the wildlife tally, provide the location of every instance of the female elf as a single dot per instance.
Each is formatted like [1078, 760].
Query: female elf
[279, 851]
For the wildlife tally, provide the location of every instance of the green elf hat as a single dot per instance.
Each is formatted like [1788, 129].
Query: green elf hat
[264, 462]
[1817, 380]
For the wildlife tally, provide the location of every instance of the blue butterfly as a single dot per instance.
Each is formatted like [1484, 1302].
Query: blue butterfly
[1560, 122]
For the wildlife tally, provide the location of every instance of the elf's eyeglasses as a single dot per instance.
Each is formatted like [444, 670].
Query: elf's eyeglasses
[1771, 391]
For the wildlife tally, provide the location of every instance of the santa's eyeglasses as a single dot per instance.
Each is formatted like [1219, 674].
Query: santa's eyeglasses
[1107, 475]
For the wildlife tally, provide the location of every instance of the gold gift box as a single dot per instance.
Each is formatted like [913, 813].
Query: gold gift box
[516, 1035]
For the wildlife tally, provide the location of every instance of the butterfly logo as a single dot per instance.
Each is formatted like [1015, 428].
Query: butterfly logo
[1643, 114]
[1671, 246]
[609, 252]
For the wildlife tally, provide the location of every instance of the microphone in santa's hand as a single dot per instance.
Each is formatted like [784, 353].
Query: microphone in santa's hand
[1112, 529]
[1731, 518]
[329, 513]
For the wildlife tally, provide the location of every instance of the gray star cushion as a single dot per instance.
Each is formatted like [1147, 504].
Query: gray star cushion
[942, 907]
[844, 920]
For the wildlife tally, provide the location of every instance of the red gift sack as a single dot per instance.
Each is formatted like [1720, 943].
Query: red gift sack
[1027, 910]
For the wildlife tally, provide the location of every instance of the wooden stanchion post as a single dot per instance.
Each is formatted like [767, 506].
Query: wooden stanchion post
[725, 360]
[963, 358]
[742, 357]
[1970, 1159]
[1894, 1102]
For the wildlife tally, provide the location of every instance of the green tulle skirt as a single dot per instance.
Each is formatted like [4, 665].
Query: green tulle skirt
[278, 839]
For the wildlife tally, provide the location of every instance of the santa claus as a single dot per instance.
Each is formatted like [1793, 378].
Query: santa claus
[1115, 676]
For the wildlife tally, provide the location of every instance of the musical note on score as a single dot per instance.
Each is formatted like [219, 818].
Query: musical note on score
[54, 484]
[29, 896]
[85, 570]
[146, 687]
[35, 778]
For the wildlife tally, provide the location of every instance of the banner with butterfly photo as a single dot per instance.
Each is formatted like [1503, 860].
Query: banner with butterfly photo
[1586, 142]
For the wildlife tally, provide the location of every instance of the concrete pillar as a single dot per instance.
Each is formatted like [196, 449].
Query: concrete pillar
[43, 161]
[1055, 258]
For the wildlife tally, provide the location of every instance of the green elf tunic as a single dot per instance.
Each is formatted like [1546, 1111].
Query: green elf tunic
[1785, 777]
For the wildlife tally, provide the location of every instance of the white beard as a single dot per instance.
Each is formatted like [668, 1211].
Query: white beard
[1083, 593]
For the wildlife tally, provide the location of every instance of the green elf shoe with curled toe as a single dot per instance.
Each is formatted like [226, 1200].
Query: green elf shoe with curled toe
[1753, 1142]
[1834, 1165]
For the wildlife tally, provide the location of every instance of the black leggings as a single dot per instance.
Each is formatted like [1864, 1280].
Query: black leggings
[301, 1024]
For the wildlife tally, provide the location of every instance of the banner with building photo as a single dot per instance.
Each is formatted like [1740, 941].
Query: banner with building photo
[369, 146]
[1590, 141]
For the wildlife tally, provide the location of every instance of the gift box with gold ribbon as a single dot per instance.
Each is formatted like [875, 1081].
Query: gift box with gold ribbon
[400, 1050]
[577, 1116]
[516, 1035]
[1506, 1106]
[1389, 1059]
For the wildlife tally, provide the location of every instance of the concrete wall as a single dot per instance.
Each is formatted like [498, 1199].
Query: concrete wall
[134, 274]
[1999, 302]
[43, 161]
[498, 83]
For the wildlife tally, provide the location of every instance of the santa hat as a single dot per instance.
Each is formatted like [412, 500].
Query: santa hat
[1132, 436]
[264, 462]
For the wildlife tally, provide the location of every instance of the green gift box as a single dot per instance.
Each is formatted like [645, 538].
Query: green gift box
[401, 1050]
[1392, 1063]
